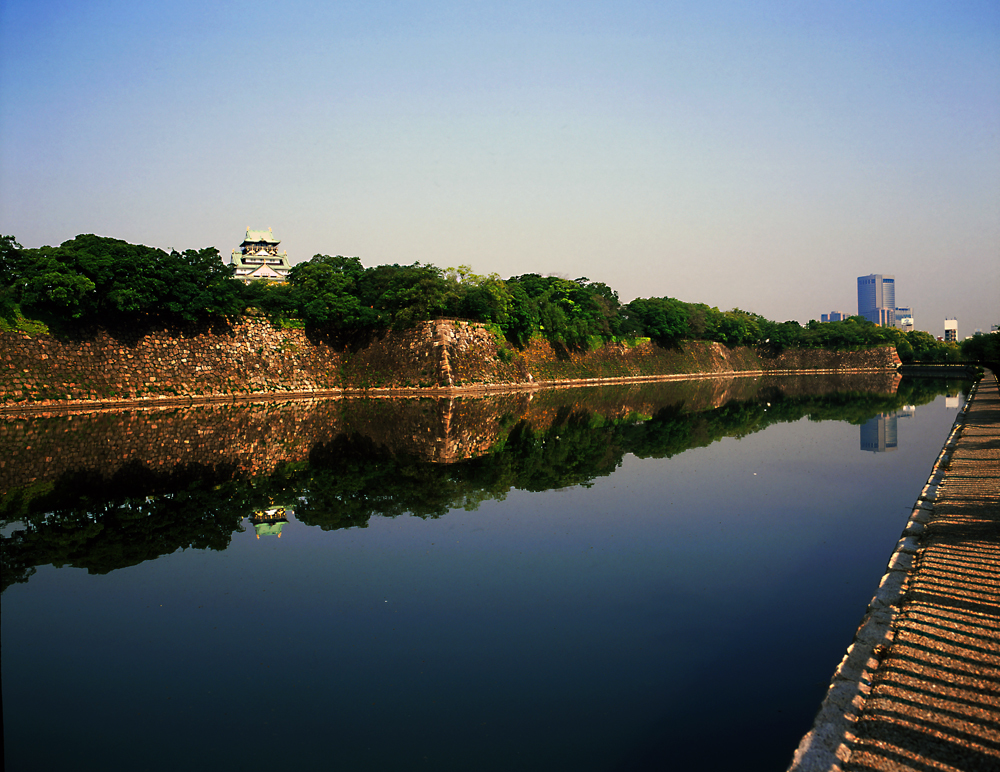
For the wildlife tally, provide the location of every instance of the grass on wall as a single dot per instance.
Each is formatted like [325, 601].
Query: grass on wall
[15, 321]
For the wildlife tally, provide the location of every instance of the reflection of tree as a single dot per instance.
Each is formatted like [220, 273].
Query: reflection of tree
[578, 447]
[102, 523]
[351, 479]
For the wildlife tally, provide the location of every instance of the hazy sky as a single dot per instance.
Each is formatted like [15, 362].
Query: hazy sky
[759, 155]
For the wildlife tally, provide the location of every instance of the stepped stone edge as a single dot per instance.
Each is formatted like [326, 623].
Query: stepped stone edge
[828, 744]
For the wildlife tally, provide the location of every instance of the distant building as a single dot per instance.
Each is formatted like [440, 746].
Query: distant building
[257, 258]
[833, 316]
[951, 330]
[904, 318]
[877, 298]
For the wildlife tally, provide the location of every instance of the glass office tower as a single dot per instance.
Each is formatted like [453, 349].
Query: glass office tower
[877, 298]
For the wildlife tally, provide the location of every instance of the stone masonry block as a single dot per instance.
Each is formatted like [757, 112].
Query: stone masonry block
[890, 589]
[901, 561]
[929, 492]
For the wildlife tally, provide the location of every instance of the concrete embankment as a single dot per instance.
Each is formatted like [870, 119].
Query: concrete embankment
[919, 688]
[254, 358]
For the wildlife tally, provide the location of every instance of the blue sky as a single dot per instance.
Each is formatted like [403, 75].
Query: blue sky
[759, 155]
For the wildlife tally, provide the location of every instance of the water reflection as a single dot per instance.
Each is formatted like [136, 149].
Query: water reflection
[639, 565]
[880, 434]
[269, 522]
[110, 490]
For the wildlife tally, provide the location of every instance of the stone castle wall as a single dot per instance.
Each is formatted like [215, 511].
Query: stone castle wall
[254, 357]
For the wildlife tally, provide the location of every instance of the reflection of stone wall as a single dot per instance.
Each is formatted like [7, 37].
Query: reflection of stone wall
[882, 382]
[444, 429]
[251, 439]
[254, 438]
[253, 357]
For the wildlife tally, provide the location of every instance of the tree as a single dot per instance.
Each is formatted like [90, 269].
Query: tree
[10, 269]
[406, 294]
[48, 281]
[197, 283]
[567, 312]
[10, 259]
[737, 328]
[662, 319]
[982, 348]
[323, 291]
[111, 281]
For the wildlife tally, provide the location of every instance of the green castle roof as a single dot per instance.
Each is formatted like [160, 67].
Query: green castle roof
[256, 237]
[268, 529]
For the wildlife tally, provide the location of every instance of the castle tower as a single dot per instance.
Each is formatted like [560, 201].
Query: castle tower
[257, 258]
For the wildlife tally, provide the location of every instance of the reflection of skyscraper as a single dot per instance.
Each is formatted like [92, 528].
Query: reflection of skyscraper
[877, 298]
[879, 434]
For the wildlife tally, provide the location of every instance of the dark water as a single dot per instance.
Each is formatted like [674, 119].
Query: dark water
[649, 578]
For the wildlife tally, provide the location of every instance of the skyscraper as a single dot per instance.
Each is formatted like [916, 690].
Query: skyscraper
[877, 298]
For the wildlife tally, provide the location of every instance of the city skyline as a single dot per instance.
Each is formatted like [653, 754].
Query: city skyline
[744, 155]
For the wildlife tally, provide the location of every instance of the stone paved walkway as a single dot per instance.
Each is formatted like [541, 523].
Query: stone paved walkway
[920, 688]
[935, 698]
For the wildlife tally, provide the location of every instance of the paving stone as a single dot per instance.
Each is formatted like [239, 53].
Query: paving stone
[934, 699]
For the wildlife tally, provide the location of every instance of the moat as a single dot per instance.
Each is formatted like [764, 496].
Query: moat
[599, 578]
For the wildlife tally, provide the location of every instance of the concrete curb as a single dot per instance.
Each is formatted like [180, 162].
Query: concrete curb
[827, 746]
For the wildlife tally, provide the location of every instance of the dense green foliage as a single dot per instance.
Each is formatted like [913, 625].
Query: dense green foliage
[982, 348]
[94, 279]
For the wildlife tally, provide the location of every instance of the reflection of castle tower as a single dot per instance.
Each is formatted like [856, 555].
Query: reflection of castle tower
[879, 434]
[268, 522]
